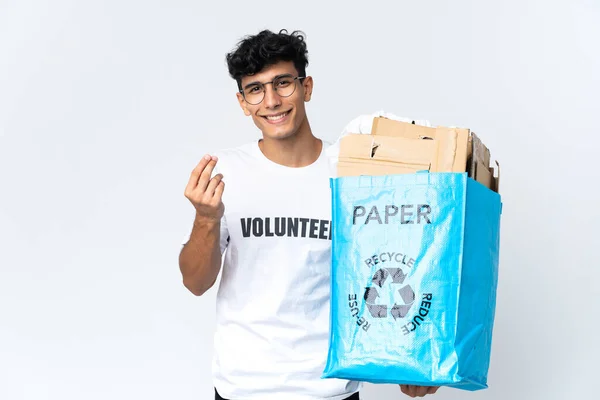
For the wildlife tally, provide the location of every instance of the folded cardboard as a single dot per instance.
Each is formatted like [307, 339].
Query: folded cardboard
[390, 127]
[479, 165]
[365, 153]
[396, 147]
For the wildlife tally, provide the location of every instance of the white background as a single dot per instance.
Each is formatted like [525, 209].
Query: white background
[106, 106]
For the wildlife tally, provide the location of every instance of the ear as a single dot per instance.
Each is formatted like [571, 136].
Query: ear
[307, 83]
[243, 104]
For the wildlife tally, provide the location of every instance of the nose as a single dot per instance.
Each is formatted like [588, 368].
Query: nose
[272, 99]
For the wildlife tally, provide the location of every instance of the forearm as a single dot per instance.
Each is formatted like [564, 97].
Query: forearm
[200, 258]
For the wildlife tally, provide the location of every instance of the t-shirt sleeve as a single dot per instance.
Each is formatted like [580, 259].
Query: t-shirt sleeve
[224, 235]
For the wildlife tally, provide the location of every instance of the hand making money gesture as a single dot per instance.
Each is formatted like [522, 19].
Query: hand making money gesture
[205, 193]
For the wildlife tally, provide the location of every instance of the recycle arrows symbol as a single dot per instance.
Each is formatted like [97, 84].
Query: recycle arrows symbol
[382, 274]
[408, 296]
[406, 292]
[376, 310]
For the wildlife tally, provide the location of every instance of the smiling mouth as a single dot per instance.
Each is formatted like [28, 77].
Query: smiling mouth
[276, 117]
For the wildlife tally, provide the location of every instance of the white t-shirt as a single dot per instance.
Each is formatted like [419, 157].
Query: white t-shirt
[272, 332]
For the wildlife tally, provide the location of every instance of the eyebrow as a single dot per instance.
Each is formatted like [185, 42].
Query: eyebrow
[257, 82]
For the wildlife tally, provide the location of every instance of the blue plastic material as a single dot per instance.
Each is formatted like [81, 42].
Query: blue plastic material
[414, 278]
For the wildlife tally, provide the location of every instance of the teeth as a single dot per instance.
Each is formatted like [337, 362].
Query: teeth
[276, 117]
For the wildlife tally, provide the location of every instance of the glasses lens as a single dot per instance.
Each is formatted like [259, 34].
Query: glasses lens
[285, 85]
[254, 94]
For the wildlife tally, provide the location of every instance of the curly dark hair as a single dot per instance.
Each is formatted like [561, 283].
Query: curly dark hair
[253, 53]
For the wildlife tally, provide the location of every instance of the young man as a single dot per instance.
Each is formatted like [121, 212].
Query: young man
[272, 223]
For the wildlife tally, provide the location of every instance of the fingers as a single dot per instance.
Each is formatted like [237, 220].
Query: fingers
[406, 389]
[195, 175]
[212, 185]
[219, 190]
[418, 391]
[200, 175]
[206, 174]
[433, 389]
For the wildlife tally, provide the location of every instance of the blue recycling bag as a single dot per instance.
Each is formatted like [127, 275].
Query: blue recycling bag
[414, 278]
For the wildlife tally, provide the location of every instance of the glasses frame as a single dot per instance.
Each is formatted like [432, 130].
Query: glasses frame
[264, 85]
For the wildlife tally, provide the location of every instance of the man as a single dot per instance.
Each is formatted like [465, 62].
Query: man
[272, 223]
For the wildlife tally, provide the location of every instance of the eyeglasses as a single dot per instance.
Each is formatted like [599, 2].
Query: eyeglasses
[284, 86]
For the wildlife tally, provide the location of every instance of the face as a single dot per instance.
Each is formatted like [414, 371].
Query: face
[276, 116]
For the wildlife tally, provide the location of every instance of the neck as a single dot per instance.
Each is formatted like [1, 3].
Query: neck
[298, 150]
